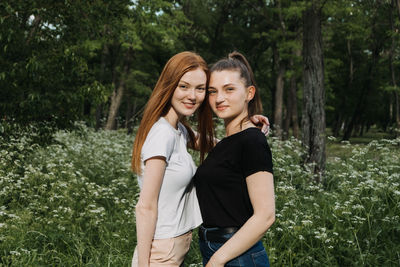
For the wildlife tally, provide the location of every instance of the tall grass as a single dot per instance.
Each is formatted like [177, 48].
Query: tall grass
[67, 204]
[71, 203]
[350, 220]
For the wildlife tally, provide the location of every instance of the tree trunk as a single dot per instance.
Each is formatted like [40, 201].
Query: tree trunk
[397, 113]
[351, 65]
[288, 115]
[356, 129]
[392, 68]
[116, 99]
[280, 82]
[100, 106]
[360, 106]
[391, 109]
[292, 115]
[397, 6]
[362, 129]
[279, 101]
[293, 94]
[349, 87]
[87, 106]
[118, 93]
[130, 111]
[338, 124]
[99, 115]
[313, 121]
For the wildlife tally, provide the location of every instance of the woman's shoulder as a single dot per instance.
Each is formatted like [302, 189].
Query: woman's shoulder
[254, 138]
[161, 129]
[253, 134]
[161, 136]
[163, 125]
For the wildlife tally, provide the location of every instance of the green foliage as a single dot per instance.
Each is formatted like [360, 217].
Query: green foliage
[62, 60]
[71, 202]
[356, 35]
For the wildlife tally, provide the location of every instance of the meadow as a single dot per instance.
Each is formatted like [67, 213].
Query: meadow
[67, 198]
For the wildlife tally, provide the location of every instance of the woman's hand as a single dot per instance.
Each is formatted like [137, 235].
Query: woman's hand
[261, 121]
[213, 263]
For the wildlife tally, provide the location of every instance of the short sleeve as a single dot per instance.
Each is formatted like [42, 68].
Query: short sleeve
[256, 154]
[160, 141]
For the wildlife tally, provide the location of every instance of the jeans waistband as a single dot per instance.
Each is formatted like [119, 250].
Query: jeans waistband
[216, 234]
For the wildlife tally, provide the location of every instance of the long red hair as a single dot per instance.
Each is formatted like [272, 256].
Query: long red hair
[160, 103]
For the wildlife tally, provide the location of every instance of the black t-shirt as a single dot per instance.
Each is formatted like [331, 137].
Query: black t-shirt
[221, 179]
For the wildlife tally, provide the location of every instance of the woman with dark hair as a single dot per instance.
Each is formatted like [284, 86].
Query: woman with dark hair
[234, 183]
[167, 209]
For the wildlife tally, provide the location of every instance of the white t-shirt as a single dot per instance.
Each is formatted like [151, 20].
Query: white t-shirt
[178, 208]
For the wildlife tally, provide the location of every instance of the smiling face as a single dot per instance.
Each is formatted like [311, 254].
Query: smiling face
[228, 95]
[189, 94]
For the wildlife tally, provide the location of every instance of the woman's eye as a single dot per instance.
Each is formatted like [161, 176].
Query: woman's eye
[201, 88]
[211, 91]
[182, 86]
[230, 89]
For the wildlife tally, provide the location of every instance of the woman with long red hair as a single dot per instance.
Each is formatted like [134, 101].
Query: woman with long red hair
[167, 209]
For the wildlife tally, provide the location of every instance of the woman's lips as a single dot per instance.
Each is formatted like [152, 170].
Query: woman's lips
[221, 108]
[189, 105]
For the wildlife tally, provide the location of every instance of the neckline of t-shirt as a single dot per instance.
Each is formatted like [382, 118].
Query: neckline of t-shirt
[238, 133]
[177, 131]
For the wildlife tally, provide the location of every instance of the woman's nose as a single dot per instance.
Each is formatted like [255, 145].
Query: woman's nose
[192, 94]
[220, 98]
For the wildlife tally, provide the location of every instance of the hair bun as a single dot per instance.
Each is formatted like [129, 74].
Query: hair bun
[235, 55]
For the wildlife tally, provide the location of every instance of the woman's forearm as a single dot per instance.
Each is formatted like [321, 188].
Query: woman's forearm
[261, 192]
[251, 232]
[147, 207]
[146, 219]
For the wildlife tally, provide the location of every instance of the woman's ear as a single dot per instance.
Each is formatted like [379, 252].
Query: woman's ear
[251, 90]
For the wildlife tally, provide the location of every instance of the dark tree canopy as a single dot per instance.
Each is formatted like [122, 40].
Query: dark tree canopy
[97, 61]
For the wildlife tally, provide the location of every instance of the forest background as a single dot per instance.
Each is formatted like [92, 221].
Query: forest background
[66, 194]
[98, 61]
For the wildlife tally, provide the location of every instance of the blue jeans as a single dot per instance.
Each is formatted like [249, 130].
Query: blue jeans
[256, 256]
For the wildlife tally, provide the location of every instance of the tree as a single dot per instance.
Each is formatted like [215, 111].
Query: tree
[313, 120]
[96, 60]
[370, 82]
[394, 34]
[291, 103]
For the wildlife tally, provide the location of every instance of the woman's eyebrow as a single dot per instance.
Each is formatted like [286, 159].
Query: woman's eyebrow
[182, 81]
[223, 86]
[228, 84]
